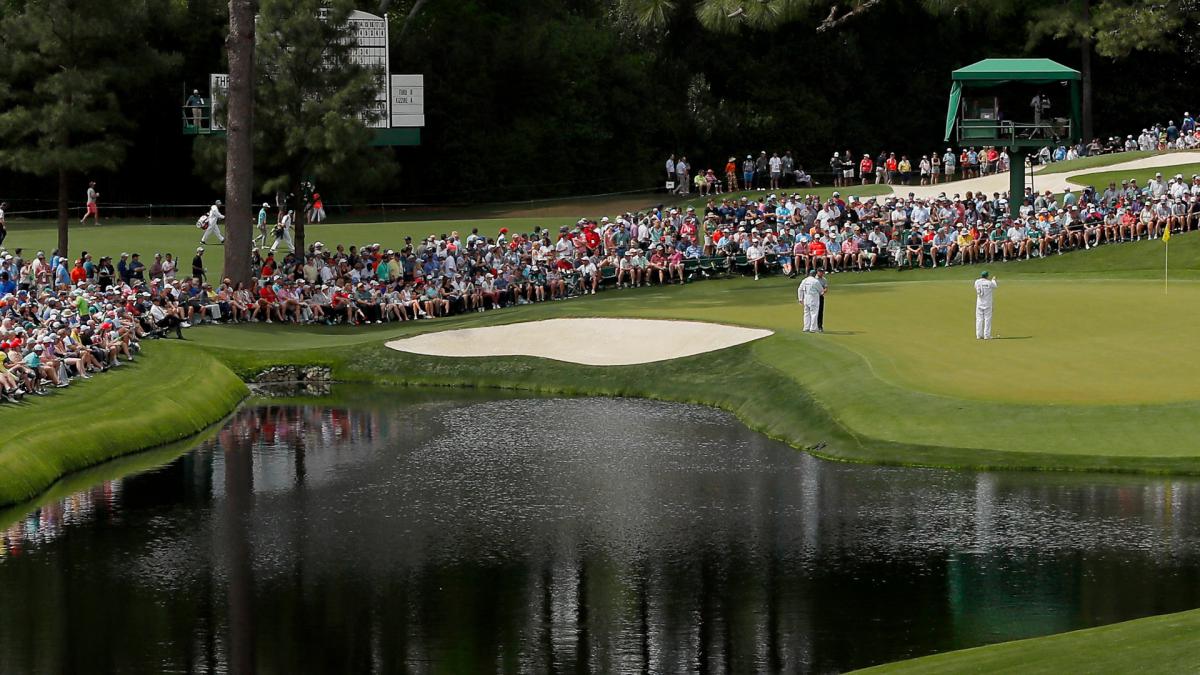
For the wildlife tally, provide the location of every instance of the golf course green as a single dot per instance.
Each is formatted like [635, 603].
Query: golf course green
[1090, 371]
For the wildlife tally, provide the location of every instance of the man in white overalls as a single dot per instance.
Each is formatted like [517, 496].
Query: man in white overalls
[809, 295]
[985, 288]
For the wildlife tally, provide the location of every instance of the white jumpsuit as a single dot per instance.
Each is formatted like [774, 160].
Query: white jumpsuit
[285, 234]
[809, 294]
[214, 218]
[984, 289]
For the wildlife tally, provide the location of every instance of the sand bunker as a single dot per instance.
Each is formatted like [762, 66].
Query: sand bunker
[592, 342]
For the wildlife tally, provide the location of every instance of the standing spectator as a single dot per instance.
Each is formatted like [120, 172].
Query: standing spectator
[761, 171]
[198, 271]
[671, 168]
[835, 167]
[93, 208]
[847, 169]
[948, 164]
[136, 271]
[731, 182]
[316, 214]
[776, 166]
[748, 173]
[3, 226]
[681, 172]
[866, 167]
[123, 268]
[788, 166]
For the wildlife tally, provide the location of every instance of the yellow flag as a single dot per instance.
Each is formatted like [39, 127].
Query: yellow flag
[1167, 235]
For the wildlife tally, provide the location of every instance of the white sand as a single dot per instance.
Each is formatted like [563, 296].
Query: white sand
[1055, 182]
[592, 342]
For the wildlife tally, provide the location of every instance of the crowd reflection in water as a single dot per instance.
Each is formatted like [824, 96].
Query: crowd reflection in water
[46, 523]
[590, 535]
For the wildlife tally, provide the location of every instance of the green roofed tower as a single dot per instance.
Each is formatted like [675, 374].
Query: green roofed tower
[1021, 104]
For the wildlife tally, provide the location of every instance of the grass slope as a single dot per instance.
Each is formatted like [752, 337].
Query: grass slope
[169, 394]
[1157, 644]
[1101, 179]
[1097, 161]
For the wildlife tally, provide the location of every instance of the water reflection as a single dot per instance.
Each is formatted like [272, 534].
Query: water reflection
[555, 535]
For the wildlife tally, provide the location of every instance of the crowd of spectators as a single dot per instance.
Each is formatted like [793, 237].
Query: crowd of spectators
[64, 319]
[775, 171]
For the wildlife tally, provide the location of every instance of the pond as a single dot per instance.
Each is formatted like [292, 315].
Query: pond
[430, 532]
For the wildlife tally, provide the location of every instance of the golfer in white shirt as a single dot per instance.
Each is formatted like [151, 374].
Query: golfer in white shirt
[985, 288]
[809, 295]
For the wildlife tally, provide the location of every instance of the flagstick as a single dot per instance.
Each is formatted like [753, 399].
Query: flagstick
[1166, 257]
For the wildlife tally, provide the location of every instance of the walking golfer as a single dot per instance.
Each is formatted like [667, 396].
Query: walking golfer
[985, 288]
[821, 309]
[809, 295]
[261, 238]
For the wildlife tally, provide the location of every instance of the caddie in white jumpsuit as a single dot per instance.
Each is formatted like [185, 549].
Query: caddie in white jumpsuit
[985, 288]
[214, 218]
[283, 233]
[809, 295]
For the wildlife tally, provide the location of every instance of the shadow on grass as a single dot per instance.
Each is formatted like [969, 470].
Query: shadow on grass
[1014, 337]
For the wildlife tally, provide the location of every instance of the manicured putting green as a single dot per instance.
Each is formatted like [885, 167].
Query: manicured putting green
[1057, 342]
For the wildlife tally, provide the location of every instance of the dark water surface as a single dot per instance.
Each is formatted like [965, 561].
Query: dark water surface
[553, 535]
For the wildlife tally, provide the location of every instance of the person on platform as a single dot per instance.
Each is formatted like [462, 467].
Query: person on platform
[985, 289]
[809, 296]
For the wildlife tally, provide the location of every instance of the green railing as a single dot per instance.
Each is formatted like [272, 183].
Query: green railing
[1013, 132]
[197, 120]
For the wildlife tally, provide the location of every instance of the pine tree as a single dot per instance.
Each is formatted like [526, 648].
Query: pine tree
[312, 99]
[63, 66]
[239, 158]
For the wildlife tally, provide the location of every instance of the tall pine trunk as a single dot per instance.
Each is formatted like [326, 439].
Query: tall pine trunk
[63, 217]
[1085, 70]
[239, 141]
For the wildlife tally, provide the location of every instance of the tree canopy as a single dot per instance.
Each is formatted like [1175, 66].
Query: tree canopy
[64, 67]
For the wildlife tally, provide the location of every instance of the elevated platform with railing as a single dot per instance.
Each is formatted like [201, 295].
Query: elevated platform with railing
[984, 94]
[1005, 133]
[198, 121]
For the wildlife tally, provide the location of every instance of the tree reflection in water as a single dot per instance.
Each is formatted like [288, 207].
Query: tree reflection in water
[566, 535]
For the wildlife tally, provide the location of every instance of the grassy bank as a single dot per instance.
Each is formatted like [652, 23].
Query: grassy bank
[169, 394]
[1157, 644]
